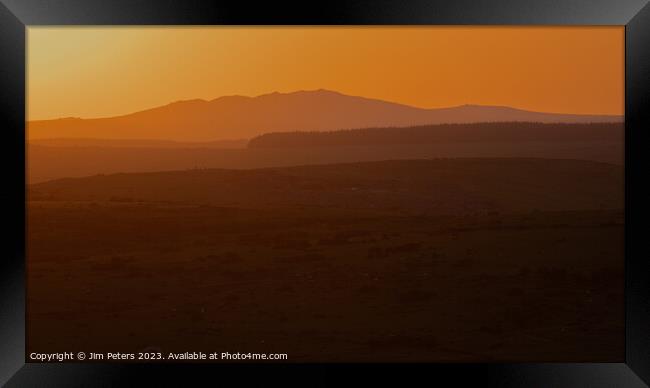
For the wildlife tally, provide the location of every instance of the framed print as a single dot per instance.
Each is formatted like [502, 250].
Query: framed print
[449, 190]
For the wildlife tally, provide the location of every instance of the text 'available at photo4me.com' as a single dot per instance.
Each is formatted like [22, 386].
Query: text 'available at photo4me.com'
[155, 356]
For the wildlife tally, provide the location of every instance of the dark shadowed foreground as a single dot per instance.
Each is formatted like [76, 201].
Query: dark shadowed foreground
[424, 260]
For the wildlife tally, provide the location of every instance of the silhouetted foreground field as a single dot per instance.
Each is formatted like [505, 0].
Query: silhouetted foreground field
[439, 260]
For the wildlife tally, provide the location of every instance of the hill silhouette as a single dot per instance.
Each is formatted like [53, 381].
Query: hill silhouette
[49, 162]
[236, 117]
[442, 133]
[439, 186]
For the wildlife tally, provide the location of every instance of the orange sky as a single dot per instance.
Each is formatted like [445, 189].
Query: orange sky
[107, 71]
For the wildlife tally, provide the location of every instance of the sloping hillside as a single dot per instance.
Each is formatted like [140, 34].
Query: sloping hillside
[439, 186]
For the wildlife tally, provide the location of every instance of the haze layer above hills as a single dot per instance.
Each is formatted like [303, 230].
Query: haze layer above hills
[237, 117]
[59, 158]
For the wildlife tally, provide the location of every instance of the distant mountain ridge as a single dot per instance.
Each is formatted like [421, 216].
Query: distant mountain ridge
[236, 117]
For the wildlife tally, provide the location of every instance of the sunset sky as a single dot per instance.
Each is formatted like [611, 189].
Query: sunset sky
[107, 71]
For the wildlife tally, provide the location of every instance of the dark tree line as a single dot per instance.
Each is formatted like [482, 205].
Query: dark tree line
[445, 133]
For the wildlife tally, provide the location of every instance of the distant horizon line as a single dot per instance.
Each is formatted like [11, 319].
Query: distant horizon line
[248, 139]
[319, 90]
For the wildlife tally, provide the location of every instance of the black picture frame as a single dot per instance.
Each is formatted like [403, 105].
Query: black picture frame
[16, 15]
